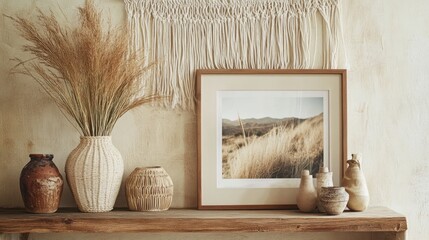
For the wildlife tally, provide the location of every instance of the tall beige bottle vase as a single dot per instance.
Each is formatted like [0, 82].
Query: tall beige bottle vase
[94, 172]
[355, 185]
[324, 179]
[307, 194]
[149, 189]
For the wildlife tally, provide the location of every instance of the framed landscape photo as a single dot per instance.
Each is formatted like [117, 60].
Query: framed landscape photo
[258, 129]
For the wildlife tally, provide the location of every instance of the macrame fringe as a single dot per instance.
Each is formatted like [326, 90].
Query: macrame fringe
[185, 35]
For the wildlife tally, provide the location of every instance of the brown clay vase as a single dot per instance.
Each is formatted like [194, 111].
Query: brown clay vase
[41, 184]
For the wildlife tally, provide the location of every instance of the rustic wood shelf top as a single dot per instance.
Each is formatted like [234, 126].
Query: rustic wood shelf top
[375, 219]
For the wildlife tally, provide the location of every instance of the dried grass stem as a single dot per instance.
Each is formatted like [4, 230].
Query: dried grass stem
[88, 71]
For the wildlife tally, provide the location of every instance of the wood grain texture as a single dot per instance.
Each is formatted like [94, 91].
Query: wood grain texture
[388, 236]
[376, 219]
[202, 235]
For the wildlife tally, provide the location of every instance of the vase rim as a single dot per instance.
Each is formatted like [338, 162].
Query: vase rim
[150, 167]
[41, 155]
[334, 187]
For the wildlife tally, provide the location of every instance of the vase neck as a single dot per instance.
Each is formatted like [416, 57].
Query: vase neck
[307, 180]
[96, 139]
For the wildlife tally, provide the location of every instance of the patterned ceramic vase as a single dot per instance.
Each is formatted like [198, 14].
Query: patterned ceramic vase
[149, 189]
[334, 199]
[41, 184]
[94, 172]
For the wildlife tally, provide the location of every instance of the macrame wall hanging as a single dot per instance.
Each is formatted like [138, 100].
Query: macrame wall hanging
[185, 35]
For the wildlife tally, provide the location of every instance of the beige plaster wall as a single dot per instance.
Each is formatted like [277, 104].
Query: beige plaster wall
[387, 42]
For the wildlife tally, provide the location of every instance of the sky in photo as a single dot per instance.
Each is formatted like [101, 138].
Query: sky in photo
[274, 104]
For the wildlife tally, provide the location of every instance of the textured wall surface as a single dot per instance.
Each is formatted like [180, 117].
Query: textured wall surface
[387, 42]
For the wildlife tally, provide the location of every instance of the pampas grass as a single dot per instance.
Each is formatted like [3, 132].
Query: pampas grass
[87, 70]
[281, 153]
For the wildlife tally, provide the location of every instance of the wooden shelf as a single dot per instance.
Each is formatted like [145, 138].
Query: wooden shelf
[376, 219]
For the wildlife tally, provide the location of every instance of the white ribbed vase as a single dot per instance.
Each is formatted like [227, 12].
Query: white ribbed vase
[94, 172]
[149, 189]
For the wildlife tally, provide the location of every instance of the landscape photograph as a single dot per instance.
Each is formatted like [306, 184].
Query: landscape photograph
[272, 134]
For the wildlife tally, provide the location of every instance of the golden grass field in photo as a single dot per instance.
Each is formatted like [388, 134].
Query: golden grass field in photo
[271, 151]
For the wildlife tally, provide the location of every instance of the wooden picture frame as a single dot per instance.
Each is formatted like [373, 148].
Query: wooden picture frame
[257, 129]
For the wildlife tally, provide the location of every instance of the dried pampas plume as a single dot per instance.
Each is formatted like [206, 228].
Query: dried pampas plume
[87, 70]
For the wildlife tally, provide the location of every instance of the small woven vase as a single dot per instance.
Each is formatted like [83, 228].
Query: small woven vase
[149, 189]
[94, 172]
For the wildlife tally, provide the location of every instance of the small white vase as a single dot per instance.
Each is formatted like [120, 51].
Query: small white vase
[324, 179]
[149, 189]
[94, 172]
[307, 195]
[355, 185]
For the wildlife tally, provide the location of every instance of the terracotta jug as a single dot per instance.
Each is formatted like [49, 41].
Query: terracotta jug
[355, 184]
[307, 195]
[324, 179]
[41, 184]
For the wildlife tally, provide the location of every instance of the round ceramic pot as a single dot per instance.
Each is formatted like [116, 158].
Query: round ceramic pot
[41, 184]
[334, 199]
[149, 189]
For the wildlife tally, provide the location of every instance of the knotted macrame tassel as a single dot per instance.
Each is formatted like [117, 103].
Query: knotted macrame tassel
[185, 35]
